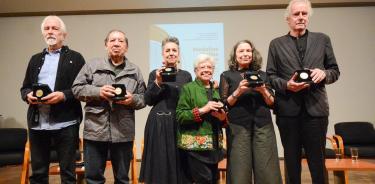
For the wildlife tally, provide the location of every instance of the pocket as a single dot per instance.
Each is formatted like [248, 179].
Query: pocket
[95, 115]
[94, 110]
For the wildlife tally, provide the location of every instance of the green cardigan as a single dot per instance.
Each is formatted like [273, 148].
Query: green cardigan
[191, 135]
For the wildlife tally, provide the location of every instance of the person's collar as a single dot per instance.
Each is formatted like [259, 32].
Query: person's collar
[46, 51]
[243, 69]
[200, 82]
[303, 36]
[117, 64]
[60, 50]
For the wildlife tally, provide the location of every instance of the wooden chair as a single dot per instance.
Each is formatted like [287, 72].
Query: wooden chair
[360, 135]
[331, 153]
[80, 171]
[53, 170]
[222, 165]
[25, 165]
[339, 144]
[133, 165]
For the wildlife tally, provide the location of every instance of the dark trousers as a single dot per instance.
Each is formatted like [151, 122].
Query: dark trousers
[196, 171]
[96, 154]
[306, 132]
[65, 142]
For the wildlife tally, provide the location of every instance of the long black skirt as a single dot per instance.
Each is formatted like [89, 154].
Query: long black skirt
[160, 162]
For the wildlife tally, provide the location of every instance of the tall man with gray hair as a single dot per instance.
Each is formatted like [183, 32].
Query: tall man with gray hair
[299, 66]
[53, 119]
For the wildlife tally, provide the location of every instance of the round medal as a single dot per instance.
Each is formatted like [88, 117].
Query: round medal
[168, 69]
[254, 77]
[118, 91]
[304, 75]
[39, 93]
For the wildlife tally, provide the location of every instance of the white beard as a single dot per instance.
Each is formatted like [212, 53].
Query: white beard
[51, 41]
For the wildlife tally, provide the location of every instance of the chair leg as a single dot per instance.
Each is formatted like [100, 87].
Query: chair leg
[25, 165]
[133, 164]
[80, 178]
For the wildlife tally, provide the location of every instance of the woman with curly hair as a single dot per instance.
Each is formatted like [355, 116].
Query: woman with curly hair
[251, 137]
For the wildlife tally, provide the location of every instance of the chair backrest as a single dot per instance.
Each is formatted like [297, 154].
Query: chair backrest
[12, 145]
[356, 133]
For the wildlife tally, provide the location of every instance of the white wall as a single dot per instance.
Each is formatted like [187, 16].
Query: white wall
[351, 31]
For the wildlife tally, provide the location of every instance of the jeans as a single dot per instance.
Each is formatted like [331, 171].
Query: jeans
[96, 154]
[65, 142]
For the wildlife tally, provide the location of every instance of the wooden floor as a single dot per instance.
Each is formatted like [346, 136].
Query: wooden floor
[11, 175]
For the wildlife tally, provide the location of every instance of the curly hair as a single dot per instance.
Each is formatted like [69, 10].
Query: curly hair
[256, 62]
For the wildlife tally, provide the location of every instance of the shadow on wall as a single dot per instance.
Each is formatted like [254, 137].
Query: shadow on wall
[10, 122]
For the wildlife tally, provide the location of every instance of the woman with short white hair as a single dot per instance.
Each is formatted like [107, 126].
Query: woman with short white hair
[200, 117]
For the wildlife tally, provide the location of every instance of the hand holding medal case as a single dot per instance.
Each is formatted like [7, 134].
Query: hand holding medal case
[303, 75]
[253, 78]
[169, 74]
[120, 92]
[40, 91]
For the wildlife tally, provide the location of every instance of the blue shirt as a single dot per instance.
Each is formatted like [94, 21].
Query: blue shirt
[47, 76]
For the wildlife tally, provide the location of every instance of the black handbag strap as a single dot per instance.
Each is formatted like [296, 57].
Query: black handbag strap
[210, 91]
[215, 125]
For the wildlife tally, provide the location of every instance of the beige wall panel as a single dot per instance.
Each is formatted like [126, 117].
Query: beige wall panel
[88, 6]
[351, 31]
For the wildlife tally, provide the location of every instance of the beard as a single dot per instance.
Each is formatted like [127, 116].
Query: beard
[50, 41]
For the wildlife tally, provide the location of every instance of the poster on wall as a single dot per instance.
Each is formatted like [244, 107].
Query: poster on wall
[195, 39]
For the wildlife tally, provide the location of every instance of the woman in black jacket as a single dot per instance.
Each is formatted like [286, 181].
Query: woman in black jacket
[252, 143]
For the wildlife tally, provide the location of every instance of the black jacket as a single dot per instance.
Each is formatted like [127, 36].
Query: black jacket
[70, 64]
[250, 107]
[283, 61]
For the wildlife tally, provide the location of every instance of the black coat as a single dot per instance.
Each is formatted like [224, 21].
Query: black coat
[70, 64]
[283, 61]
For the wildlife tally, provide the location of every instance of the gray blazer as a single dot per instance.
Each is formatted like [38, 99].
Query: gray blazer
[283, 61]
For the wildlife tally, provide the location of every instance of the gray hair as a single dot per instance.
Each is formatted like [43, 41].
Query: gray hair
[170, 39]
[201, 58]
[62, 24]
[289, 8]
[119, 31]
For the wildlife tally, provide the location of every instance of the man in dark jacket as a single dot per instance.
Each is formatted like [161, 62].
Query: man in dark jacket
[53, 120]
[301, 108]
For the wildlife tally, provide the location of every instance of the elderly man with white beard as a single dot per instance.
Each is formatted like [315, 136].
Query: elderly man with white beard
[54, 115]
